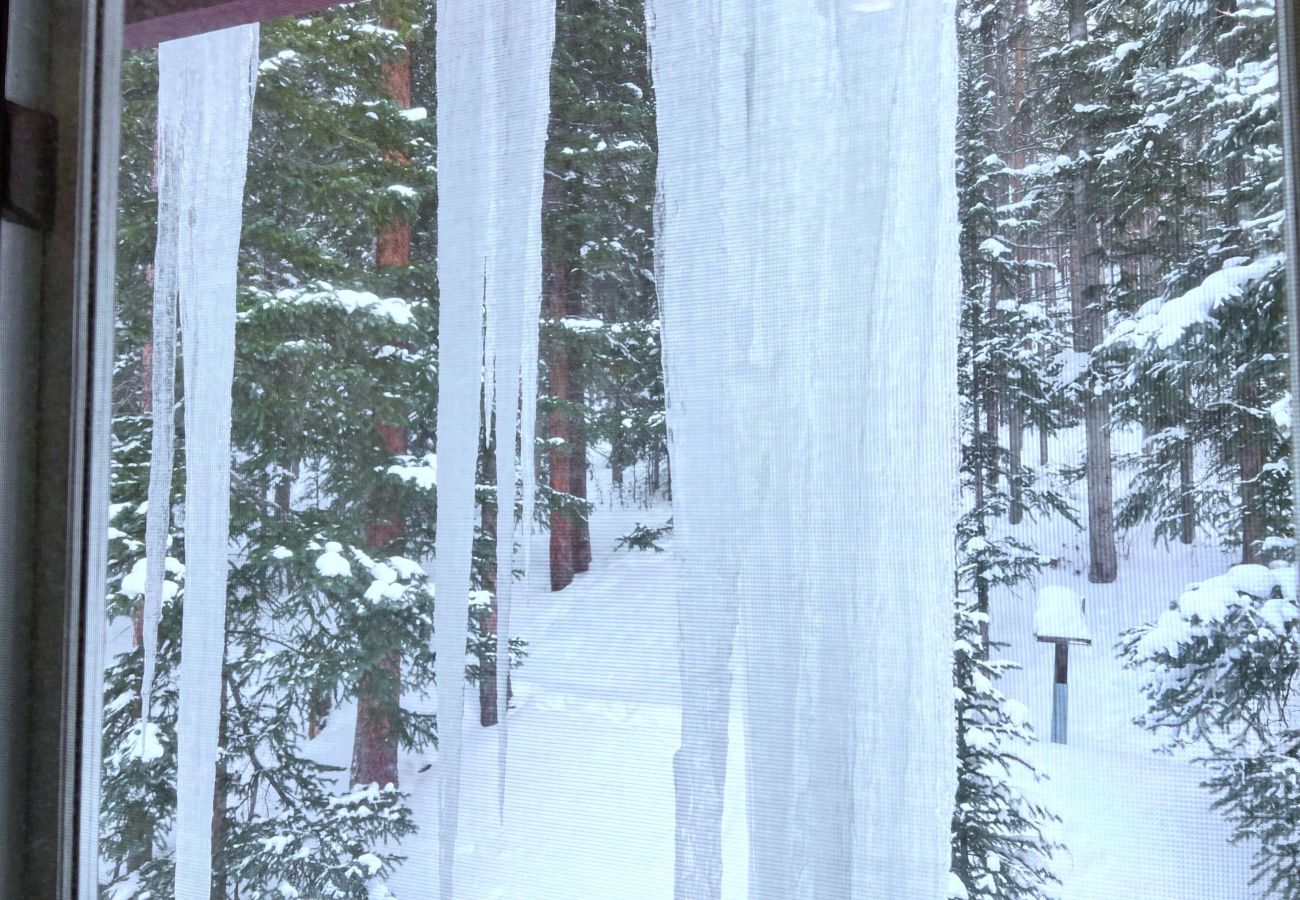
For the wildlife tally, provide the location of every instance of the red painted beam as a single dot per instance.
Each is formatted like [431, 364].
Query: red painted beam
[150, 22]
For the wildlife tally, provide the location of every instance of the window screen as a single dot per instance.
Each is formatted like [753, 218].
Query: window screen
[703, 449]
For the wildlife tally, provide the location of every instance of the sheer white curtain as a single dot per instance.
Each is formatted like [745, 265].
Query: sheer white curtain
[808, 277]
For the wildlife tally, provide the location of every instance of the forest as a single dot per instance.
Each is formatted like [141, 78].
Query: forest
[664, 552]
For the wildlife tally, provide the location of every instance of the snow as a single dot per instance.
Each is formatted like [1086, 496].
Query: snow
[394, 309]
[276, 843]
[764, 197]
[1163, 325]
[423, 473]
[598, 710]
[1122, 51]
[142, 742]
[1130, 816]
[597, 714]
[1256, 580]
[1059, 614]
[406, 569]
[206, 92]
[332, 564]
[134, 583]
[370, 862]
[994, 248]
[574, 323]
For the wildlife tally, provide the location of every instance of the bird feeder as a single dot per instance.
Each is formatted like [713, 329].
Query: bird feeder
[1058, 620]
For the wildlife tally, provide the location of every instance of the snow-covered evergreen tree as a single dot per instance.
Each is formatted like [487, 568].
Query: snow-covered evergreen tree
[1203, 360]
[1208, 346]
[1003, 840]
[1220, 672]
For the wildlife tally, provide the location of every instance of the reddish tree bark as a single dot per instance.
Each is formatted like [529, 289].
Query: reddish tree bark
[570, 549]
[374, 746]
[374, 743]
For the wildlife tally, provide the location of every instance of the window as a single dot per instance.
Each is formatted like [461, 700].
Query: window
[863, 427]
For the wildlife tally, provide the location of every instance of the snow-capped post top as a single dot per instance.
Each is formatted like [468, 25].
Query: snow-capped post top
[1058, 619]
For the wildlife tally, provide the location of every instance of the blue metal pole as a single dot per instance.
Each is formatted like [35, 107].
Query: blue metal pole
[1061, 692]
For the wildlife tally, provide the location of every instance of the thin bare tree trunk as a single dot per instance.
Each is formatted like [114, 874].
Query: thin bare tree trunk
[1251, 458]
[1018, 61]
[220, 789]
[1015, 473]
[1087, 304]
[1186, 497]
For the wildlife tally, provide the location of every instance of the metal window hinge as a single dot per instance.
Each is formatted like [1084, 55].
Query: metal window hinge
[28, 140]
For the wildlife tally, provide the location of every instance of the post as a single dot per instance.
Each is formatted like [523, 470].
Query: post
[1058, 620]
[1061, 692]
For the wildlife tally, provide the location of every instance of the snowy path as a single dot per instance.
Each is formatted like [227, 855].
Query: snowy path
[594, 725]
[595, 722]
[1137, 825]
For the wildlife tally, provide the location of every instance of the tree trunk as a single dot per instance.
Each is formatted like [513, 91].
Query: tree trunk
[1015, 475]
[1251, 454]
[991, 434]
[379, 692]
[978, 438]
[220, 788]
[1087, 305]
[1186, 498]
[374, 747]
[570, 549]
[488, 714]
[1018, 63]
[616, 449]
[1251, 458]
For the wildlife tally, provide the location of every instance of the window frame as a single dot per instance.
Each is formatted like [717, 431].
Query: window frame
[58, 561]
[55, 404]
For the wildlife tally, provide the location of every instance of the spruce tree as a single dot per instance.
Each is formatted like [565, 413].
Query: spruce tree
[1002, 840]
[1218, 667]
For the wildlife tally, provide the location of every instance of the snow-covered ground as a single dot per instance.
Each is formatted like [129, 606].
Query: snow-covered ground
[594, 724]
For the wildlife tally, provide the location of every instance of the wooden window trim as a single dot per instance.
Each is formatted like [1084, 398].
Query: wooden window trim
[150, 22]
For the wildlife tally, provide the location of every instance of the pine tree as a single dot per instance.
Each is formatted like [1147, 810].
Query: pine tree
[1219, 666]
[1072, 112]
[1203, 357]
[1002, 840]
[1219, 671]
